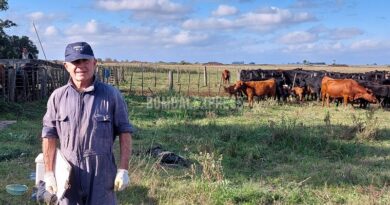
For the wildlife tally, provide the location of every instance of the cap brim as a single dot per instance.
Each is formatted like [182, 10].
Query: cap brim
[72, 58]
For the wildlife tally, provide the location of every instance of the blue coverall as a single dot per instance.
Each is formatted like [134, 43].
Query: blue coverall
[87, 124]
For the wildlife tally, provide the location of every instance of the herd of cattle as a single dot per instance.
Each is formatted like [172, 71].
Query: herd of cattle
[361, 88]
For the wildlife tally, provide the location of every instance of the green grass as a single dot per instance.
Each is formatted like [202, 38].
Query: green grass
[271, 154]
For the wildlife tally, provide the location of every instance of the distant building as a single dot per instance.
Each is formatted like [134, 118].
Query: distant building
[213, 63]
[316, 63]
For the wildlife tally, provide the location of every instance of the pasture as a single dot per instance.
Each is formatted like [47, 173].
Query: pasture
[274, 153]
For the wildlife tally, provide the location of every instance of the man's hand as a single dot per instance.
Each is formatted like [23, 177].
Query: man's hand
[122, 180]
[50, 182]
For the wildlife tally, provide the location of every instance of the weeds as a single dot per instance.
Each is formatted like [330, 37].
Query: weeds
[211, 165]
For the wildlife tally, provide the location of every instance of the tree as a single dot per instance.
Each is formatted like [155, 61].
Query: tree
[11, 46]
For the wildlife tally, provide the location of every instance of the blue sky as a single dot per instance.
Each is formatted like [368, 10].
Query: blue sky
[275, 32]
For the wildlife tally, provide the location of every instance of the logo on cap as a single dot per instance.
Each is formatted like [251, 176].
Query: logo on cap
[78, 48]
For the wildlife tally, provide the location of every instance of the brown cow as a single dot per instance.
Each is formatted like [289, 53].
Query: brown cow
[347, 89]
[299, 92]
[257, 88]
[231, 91]
[225, 76]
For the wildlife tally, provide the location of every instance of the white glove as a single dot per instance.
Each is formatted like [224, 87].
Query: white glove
[122, 180]
[50, 182]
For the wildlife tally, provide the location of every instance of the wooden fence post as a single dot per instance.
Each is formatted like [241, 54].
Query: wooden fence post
[11, 84]
[198, 80]
[216, 77]
[123, 74]
[189, 83]
[155, 77]
[205, 76]
[209, 85]
[116, 76]
[3, 85]
[131, 82]
[170, 80]
[142, 81]
[44, 83]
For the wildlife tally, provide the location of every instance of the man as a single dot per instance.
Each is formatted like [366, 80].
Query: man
[25, 54]
[85, 116]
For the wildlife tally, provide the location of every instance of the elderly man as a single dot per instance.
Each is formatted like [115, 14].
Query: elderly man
[85, 116]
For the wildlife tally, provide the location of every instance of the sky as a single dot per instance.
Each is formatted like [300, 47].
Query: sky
[355, 32]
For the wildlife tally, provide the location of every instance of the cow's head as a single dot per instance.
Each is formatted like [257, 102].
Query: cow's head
[230, 89]
[367, 96]
[238, 85]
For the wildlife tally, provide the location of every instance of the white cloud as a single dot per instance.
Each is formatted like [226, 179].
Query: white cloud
[92, 27]
[344, 33]
[50, 31]
[210, 23]
[185, 37]
[297, 37]
[165, 6]
[36, 16]
[225, 10]
[324, 47]
[263, 20]
[367, 44]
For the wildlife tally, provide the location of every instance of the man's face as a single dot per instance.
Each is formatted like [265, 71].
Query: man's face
[82, 70]
[24, 50]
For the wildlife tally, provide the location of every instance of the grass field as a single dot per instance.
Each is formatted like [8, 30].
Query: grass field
[272, 154]
[282, 154]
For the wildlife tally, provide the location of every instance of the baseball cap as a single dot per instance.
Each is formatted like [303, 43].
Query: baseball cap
[78, 50]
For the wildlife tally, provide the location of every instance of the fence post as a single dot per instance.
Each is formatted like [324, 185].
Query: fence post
[44, 83]
[216, 77]
[131, 82]
[170, 80]
[205, 76]
[123, 74]
[116, 76]
[198, 80]
[142, 82]
[155, 77]
[209, 85]
[11, 84]
[189, 82]
[3, 83]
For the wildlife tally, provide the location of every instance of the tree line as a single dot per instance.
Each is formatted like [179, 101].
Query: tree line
[11, 45]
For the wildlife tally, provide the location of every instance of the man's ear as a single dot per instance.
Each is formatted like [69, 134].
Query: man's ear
[66, 66]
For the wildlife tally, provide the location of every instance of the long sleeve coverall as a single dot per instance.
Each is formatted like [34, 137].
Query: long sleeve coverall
[86, 124]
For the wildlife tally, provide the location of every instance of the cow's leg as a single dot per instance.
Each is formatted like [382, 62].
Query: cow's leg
[345, 100]
[327, 100]
[250, 100]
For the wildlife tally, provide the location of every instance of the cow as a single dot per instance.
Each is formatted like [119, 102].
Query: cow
[231, 91]
[299, 92]
[225, 76]
[257, 88]
[347, 89]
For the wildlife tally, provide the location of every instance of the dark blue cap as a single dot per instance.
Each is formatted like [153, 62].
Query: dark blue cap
[78, 50]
